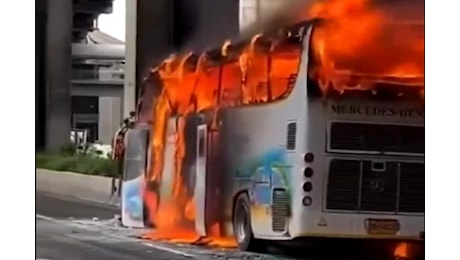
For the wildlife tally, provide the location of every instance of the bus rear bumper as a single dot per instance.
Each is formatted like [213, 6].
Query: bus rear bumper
[360, 226]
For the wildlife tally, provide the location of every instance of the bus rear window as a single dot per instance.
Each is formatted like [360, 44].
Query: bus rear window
[376, 138]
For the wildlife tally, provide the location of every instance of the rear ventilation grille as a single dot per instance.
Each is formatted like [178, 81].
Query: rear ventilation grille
[280, 210]
[354, 185]
[291, 136]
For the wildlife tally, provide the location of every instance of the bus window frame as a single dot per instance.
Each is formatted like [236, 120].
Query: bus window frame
[359, 152]
[300, 44]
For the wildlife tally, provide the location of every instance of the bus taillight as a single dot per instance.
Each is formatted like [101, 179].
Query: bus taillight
[306, 201]
[307, 186]
[309, 157]
[308, 172]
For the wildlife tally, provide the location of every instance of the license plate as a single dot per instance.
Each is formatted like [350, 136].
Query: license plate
[382, 226]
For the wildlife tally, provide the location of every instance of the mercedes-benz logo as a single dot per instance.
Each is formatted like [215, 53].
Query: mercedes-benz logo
[377, 185]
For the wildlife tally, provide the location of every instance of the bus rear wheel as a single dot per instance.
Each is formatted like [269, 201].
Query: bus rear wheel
[242, 227]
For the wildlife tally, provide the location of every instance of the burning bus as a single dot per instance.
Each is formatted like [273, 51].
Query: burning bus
[275, 138]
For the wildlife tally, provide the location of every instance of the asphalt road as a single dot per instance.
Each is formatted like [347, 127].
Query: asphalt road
[61, 242]
[64, 208]
[66, 230]
[69, 229]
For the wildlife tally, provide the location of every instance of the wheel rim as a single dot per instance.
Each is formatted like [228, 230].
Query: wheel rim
[241, 224]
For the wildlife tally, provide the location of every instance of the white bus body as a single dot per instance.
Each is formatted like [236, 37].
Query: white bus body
[372, 204]
[374, 192]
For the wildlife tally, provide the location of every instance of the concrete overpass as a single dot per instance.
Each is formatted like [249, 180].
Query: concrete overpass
[59, 23]
[154, 29]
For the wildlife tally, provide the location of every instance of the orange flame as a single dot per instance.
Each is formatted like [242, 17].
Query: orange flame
[401, 251]
[189, 89]
[359, 39]
[174, 215]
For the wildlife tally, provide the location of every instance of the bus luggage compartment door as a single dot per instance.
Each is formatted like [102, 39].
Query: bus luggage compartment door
[200, 180]
[132, 208]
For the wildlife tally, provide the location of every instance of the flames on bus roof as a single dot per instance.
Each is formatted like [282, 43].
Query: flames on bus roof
[355, 45]
[360, 44]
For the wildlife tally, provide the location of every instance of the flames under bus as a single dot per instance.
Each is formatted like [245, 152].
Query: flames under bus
[303, 164]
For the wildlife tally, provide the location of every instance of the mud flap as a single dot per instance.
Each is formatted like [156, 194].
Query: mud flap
[200, 181]
[132, 207]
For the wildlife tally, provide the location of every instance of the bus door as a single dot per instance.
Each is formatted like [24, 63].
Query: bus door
[214, 181]
[200, 179]
[135, 162]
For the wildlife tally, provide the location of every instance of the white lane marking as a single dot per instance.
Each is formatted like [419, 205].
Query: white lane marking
[45, 218]
[171, 250]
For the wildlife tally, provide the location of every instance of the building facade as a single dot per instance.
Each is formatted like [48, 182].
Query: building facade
[59, 23]
[98, 68]
[154, 30]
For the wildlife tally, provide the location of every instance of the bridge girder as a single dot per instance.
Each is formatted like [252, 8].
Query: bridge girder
[85, 12]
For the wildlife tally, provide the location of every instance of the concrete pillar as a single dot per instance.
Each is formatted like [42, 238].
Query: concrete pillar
[129, 89]
[258, 12]
[58, 71]
[148, 41]
[109, 118]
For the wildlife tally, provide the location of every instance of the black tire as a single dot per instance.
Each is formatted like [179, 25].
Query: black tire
[242, 230]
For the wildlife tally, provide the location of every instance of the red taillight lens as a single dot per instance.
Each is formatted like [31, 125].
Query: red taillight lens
[309, 157]
[308, 172]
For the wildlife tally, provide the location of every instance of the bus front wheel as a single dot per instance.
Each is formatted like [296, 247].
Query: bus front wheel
[242, 227]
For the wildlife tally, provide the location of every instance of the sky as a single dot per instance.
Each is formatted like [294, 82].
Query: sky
[114, 23]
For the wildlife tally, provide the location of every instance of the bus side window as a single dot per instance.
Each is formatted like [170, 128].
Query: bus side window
[285, 61]
[231, 85]
[263, 92]
[270, 76]
[257, 87]
[206, 91]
